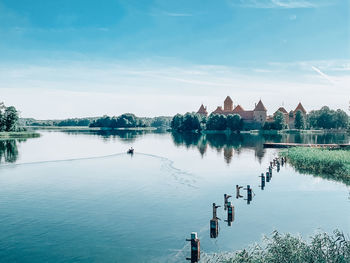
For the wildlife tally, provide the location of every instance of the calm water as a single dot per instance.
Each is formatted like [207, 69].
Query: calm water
[77, 197]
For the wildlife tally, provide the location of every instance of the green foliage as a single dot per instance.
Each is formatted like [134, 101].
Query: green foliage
[74, 122]
[161, 122]
[197, 122]
[8, 118]
[326, 118]
[279, 121]
[234, 122]
[330, 163]
[279, 248]
[299, 121]
[216, 122]
[187, 122]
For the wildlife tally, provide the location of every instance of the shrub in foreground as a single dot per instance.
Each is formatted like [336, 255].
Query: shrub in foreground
[279, 248]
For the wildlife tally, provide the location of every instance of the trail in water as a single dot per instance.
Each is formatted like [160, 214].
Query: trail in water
[180, 176]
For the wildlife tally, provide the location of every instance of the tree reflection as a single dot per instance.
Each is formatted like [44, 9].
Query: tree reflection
[8, 151]
[230, 144]
[125, 135]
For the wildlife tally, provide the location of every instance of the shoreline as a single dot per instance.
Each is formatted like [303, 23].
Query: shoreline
[19, 135]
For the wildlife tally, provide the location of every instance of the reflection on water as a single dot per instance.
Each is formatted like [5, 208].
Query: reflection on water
[8, 151]
[231, 144]
[124, 135]
[111, 207]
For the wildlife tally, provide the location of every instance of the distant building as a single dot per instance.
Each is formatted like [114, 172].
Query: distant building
[290, 117]
[258, 115]
[202, 110]
[253, 118]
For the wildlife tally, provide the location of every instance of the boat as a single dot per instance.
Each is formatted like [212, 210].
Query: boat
[131, 151]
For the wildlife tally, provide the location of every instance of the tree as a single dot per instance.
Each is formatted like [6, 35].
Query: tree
[325, 117]
[299, 121]
[191, 122]
[279, 121]
[216, 122]
[10, 118]
[176, 122]
[341, 119]
[234, 122]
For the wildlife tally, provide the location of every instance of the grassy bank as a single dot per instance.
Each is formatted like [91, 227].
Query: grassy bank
[19, 135]
[86, 128]
[329, 163]
[287, 248]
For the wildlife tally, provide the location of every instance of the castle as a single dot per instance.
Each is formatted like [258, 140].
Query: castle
[257, 116]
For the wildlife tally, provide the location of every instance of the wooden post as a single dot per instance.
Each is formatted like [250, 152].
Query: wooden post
[214, 223]
[230, 213]
[195, 248]
[262, 181]
[226, 197]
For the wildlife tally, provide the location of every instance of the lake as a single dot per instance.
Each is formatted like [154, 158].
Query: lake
[78, 197]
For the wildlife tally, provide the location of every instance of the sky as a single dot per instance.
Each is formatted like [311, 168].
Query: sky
[80, 58]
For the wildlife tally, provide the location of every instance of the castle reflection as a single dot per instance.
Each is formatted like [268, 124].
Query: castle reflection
[228, 144]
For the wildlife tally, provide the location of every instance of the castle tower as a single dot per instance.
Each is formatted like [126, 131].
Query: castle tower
[260, 112]
[228, 104]
[301, 108]
[202, 110]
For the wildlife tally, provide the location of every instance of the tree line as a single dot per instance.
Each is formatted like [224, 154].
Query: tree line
[324, 118]
[8, 118]
[129, 120]
[123, 121]
[195, 122]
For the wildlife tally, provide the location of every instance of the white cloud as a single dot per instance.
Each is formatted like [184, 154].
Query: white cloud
[72, 89]
[287, 4]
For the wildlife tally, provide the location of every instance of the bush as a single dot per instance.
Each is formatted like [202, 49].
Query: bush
[286, 248]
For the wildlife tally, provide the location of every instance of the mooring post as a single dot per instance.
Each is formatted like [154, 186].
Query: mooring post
[195, 248]
[238, 195]
[226, 197]
[249, 194]
[262, 181]
[214, 223]
[230, 213]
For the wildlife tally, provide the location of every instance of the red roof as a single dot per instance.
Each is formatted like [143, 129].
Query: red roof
[202, 110]
[283, 110]
[238, 108]
[300, 107]
[228, 99]
[218, 110]
[260, 106]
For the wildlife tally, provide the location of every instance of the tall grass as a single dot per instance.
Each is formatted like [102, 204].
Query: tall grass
[278, 248]
[328, 163]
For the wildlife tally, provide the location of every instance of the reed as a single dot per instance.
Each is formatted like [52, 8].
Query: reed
[328, 163]
[285, 248]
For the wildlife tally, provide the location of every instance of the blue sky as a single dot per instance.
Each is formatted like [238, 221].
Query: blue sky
[87, 58]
